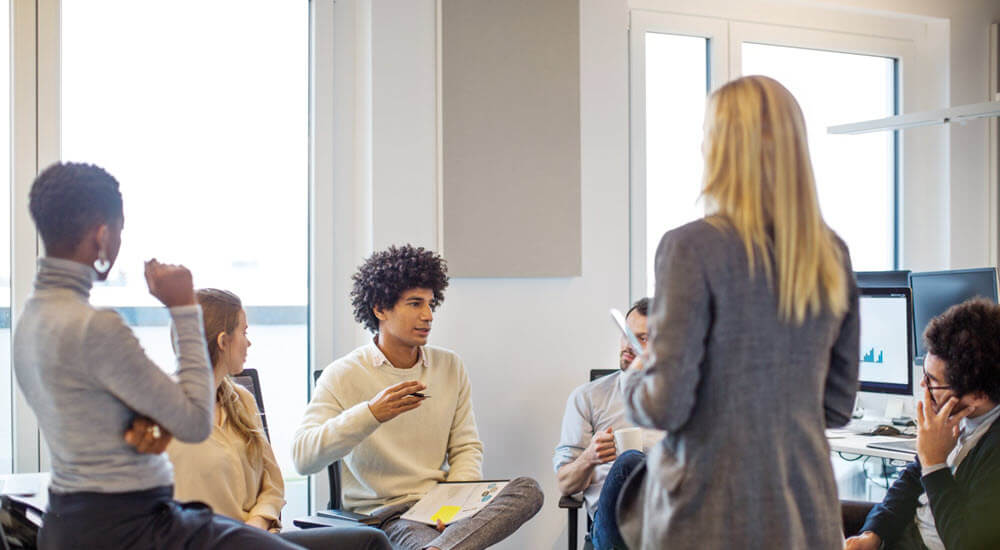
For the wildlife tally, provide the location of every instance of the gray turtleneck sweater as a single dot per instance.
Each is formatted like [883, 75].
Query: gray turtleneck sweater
[86, 377]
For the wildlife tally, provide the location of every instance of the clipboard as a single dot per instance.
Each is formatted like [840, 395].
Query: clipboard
[451, 501]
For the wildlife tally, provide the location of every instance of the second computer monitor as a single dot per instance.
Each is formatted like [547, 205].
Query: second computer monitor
[883, 279]
[936, 291]
[886, 344]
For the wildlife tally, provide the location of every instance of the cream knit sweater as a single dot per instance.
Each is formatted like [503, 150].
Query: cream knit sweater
[220, 472]
[402, 459]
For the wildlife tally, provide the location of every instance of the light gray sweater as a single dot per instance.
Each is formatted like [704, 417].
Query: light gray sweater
[86, 377]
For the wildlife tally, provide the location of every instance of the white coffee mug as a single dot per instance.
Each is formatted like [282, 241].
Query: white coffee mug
[628, 439]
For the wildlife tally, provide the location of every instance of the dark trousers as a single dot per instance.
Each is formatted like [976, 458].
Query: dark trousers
[149, 519]
[604, 533]
[336, 538]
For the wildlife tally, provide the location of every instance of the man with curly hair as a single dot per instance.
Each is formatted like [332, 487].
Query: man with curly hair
[950, 496]
[398, 412]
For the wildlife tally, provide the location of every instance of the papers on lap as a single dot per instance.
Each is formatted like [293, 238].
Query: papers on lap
[454, 501]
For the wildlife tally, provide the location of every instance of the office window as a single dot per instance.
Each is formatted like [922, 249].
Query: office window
[6, 379]
[855, 174]
[200, 110]
[676, 75]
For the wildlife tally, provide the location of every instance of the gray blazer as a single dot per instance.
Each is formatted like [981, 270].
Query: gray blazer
[745, 398]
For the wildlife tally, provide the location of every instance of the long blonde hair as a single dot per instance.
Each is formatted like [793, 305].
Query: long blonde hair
[759, 179]
[221, 311]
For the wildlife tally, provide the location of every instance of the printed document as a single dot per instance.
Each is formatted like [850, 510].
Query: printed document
[454, 501]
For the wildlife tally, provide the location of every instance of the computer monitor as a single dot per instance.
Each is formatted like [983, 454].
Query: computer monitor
[882, 279]
[886, 340]
[936, 291]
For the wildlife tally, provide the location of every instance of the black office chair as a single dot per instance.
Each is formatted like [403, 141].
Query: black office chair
[19, 524]
[572, 505]
[249, 380]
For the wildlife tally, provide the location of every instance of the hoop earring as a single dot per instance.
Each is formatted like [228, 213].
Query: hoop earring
[101, 264]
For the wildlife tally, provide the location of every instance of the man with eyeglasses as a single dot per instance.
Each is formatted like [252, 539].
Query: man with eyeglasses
[950, 496]
[587, 459]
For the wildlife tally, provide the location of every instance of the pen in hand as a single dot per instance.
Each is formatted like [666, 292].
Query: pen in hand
[418, 394]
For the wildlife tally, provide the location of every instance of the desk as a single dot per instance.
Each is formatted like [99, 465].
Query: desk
[851, 457]
[843, 441]
[31, 489]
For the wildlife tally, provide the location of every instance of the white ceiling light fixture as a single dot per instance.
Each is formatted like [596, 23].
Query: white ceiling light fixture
[961, 113]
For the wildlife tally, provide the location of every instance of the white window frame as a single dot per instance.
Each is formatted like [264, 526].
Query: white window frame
[35, 144]
[900, 50]
[24, 166]
[727, 36]
[640, 23]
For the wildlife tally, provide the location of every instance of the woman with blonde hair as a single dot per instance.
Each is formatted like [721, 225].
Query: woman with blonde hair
[753, 349]
[234, 470]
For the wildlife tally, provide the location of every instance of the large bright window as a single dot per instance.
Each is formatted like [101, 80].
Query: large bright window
[200, 110]
[676, 75]
[855, 174]
[837, 78]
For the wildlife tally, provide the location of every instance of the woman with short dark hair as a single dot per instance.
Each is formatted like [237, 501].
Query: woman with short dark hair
[87, 378]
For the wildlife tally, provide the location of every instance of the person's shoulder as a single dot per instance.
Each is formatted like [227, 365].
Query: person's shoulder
[102, 322]
[841, 244]
[441, 356]
[699, 231]
[245, 396]
[602, 385]
[355, 363]
[359, 357]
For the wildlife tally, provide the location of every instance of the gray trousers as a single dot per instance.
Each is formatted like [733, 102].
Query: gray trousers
[517, 503]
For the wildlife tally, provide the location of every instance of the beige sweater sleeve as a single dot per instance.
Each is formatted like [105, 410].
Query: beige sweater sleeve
[328, 431]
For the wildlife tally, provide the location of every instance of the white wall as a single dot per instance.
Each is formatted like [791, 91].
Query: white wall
[528, 342]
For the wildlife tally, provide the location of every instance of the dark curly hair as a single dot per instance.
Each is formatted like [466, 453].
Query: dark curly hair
[967, 338]
[69, 198]
[385, 275]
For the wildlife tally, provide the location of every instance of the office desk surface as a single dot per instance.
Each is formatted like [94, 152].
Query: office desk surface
[843, 441]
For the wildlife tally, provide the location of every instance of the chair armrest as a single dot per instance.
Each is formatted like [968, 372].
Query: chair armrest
[337, 514]
[309, 522]
[853, 514]
[571, 503]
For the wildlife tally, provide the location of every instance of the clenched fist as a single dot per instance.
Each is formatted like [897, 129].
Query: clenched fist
[170, 284]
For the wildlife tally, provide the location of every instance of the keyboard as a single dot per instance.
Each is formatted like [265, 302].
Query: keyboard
[863, 426]
[903, 446]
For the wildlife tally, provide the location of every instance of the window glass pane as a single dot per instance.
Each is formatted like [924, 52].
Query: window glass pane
[6, 435]
[855, 174]
[200, 110]
[676, 87]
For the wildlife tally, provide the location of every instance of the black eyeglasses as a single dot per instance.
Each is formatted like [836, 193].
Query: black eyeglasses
[927, 383]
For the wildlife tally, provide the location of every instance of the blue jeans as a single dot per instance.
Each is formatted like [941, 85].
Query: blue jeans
[604, 532]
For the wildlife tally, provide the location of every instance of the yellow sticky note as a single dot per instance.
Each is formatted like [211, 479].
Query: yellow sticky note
[446, 513]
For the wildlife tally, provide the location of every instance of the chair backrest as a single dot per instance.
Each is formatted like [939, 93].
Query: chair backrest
[249, 380]
[332, 471]
[600, 373]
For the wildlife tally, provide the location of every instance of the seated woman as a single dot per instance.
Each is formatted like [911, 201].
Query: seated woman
[86, 377]
[234, 470]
